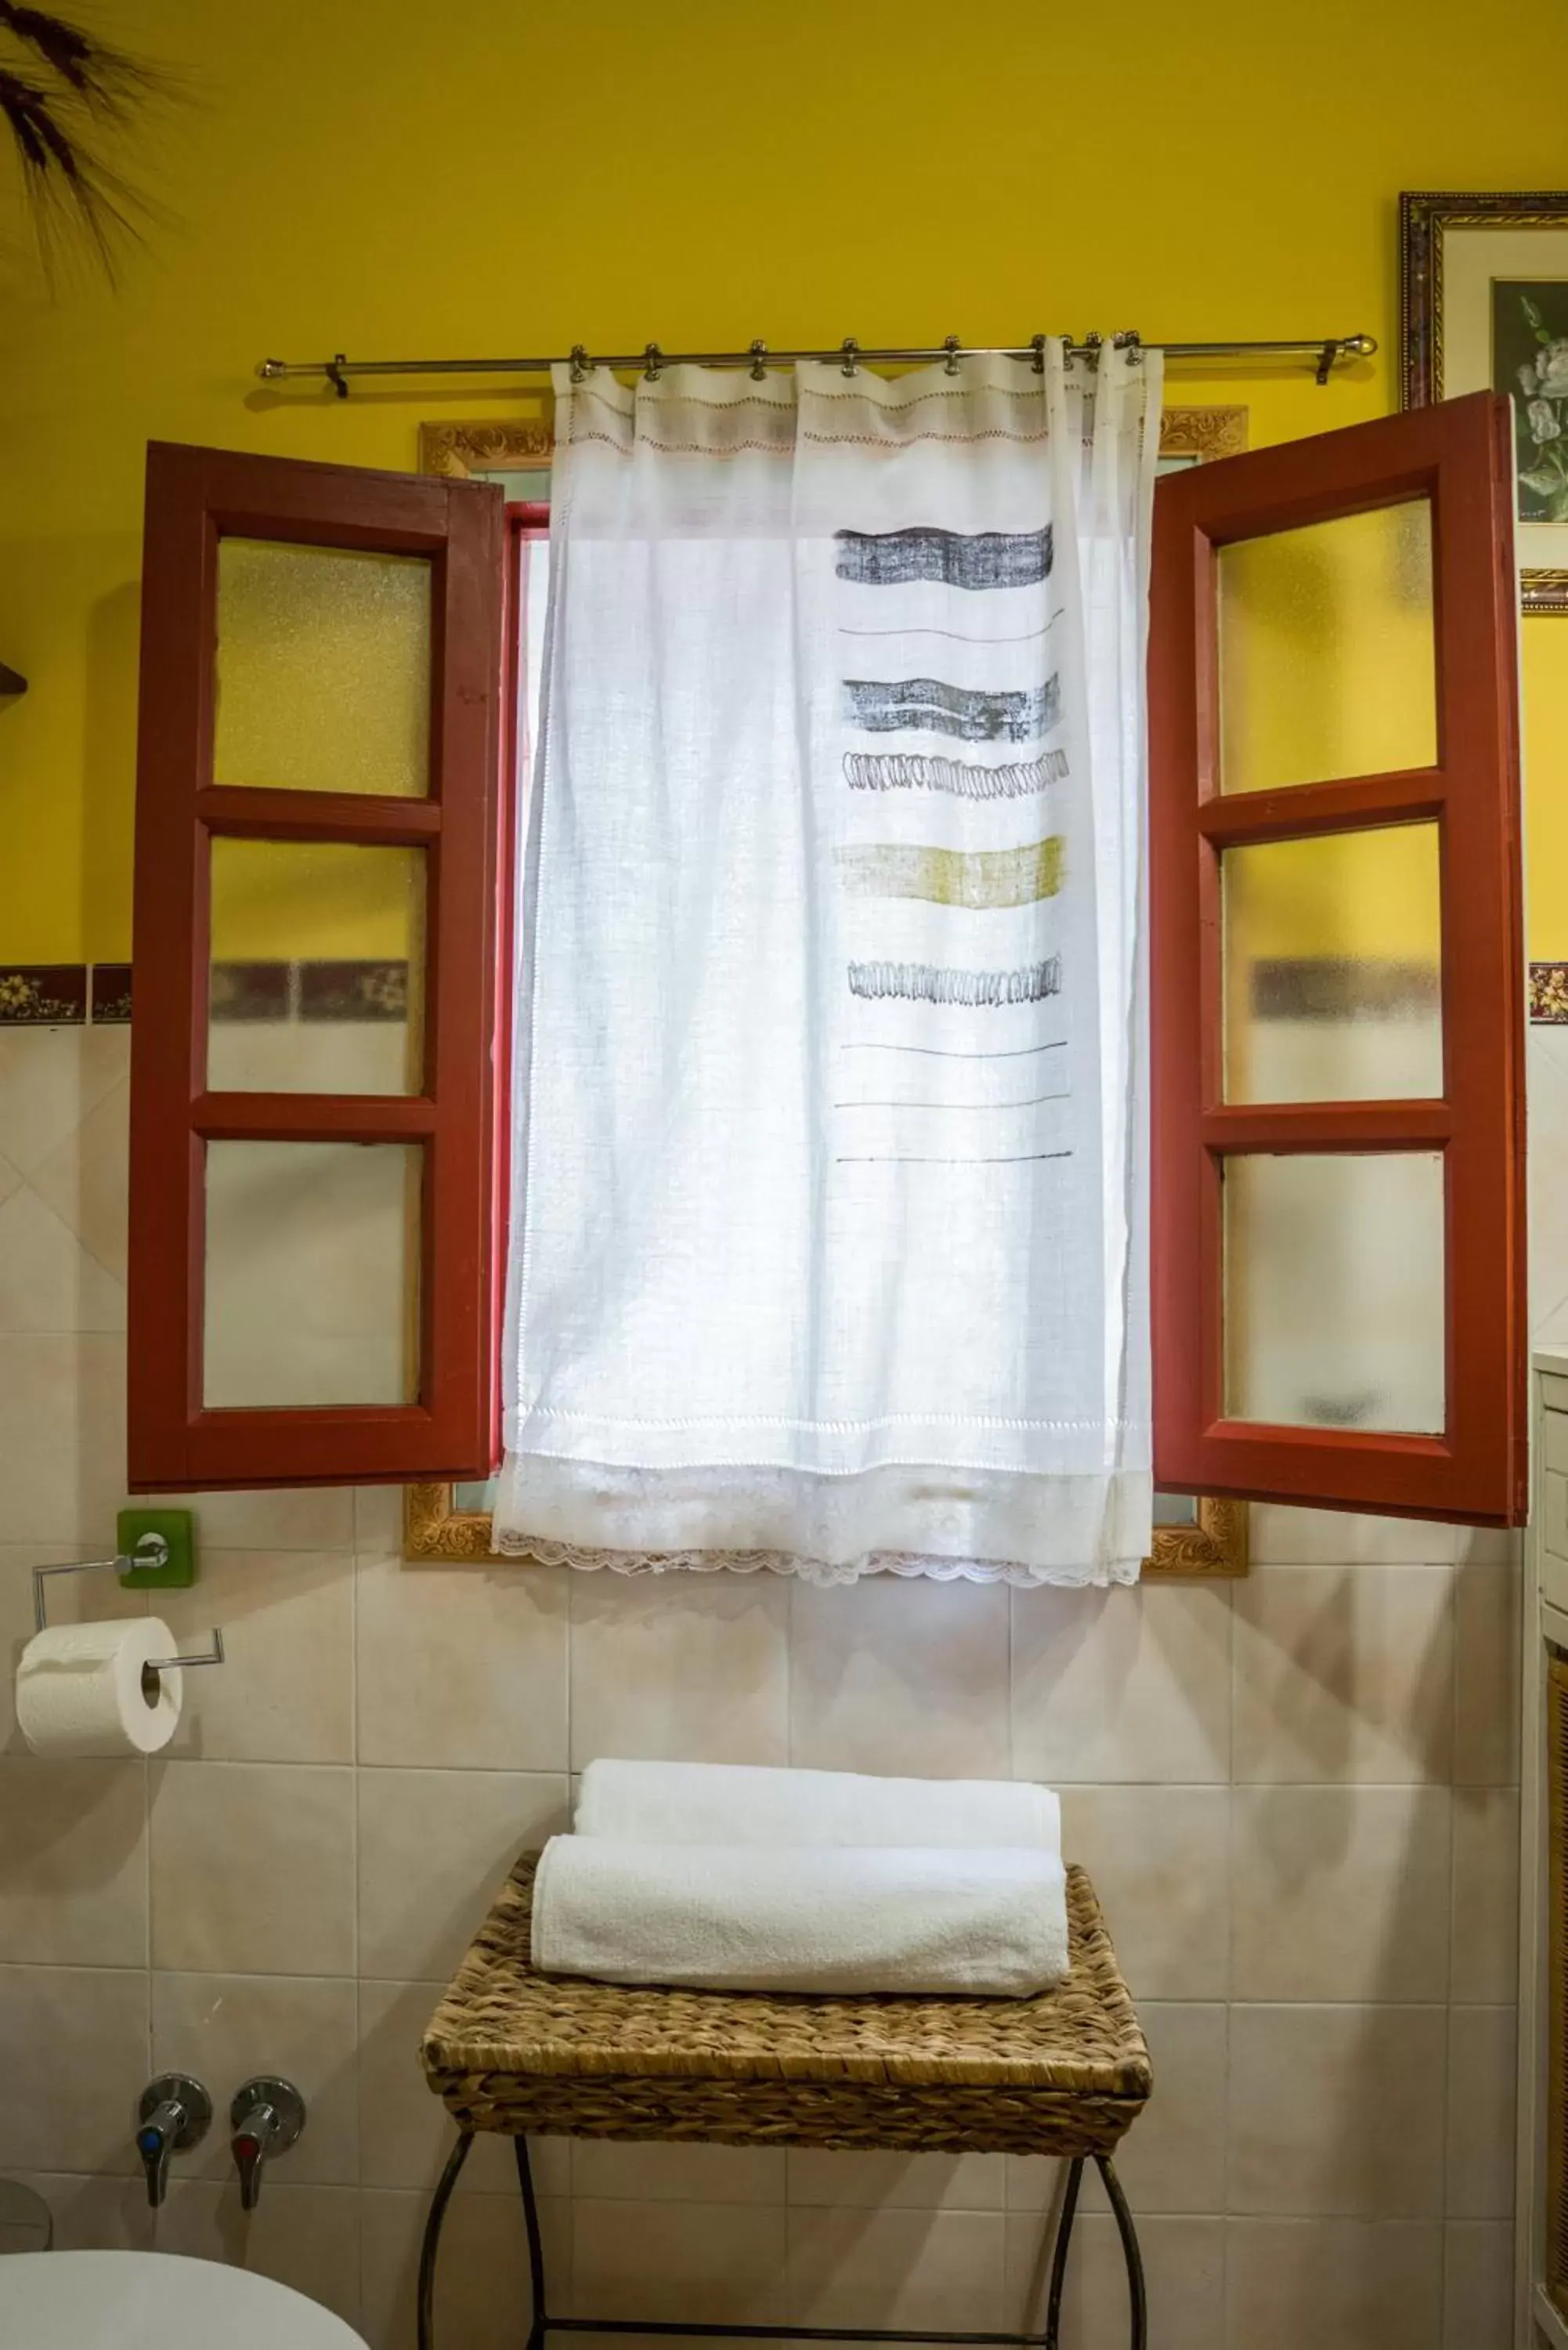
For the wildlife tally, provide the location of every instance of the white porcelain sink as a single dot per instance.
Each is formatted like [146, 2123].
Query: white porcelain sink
[155, 2301]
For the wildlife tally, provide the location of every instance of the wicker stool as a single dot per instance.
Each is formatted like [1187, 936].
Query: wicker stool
[526, 2053]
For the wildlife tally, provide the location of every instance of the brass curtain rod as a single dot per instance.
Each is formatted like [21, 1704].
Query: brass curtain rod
[1323, 350]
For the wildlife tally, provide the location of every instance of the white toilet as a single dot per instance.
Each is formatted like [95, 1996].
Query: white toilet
[155, 2301]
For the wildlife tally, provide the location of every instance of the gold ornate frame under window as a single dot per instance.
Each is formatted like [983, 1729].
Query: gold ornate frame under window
[436, 1526]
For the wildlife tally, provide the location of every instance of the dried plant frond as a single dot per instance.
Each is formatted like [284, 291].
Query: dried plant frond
[56, 95]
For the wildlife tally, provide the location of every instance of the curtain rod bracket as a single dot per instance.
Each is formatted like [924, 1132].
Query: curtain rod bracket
[758, 370]
[951, 345]
[335, 375]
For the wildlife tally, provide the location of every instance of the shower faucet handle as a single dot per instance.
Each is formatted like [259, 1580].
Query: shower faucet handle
[174, 2115]
[265, 2118]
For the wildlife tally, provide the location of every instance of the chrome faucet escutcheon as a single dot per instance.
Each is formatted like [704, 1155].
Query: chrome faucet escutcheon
[174, 2115]
[266, 2119]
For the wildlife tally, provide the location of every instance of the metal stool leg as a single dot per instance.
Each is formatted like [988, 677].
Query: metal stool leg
[439, 2202]
[1059, 2252]
[1130, 2252]
[541, 2323]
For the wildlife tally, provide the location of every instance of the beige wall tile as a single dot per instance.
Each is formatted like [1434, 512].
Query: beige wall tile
[48, 1280]
[1127, 1684]
[1159, 1861]
[1173, 2158]
[94, 2214]
[925, 2269]
[905, 1676]
[1342, 1674]
[605, 2170]
[1337, 2111]
[482, 2300]
[285, 1693]
[1482, 2055]
[917, 2182]
[62, 1439]
[1484, 1966]
[463, 1667]
[253, 1869]
[434, 1849]
[293, 1517]
[226, 2029]
[76, 2043]
[1328, 2284]
[73, 1862]
[306, 2237]
[1284, 1536]
[405, 2130]
[1478, 2286]
[716, 2263]
[85, 1179]
[379, 1513]
[685, 1668]
[51, 1080]
[1486, 1676]
[1339, 1893]
[1184, 2268]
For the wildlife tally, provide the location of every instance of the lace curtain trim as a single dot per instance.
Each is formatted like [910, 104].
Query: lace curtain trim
[810, 1570]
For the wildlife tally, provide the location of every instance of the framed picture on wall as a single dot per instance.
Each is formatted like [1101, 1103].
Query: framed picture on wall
[452, 1523]
[1484, 286]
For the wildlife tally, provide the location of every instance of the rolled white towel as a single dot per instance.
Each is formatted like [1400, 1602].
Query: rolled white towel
[992, 1922]
[743, 1802]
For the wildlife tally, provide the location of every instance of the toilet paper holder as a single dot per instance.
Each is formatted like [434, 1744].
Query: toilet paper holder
[150, 1551]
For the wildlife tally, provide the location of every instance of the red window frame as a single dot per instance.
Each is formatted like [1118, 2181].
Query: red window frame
[195, 497]
[1459, 455]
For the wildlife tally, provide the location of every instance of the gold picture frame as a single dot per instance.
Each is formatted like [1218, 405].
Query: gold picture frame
[472, 450]
[436, 1529]
[1477, 272]
[466, 452]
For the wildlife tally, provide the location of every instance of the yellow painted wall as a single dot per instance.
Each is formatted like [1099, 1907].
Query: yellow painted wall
[390, 177]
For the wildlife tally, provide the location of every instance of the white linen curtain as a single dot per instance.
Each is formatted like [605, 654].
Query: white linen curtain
[829, 1236]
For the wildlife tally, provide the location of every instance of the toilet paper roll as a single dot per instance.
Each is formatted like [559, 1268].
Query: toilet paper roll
[79, 1690]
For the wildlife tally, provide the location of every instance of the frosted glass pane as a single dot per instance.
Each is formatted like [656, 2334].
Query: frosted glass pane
[313, 1255]
[1327, 665]
[317, 968]
[323, 673]
[1333, 968]
[1334, 1290]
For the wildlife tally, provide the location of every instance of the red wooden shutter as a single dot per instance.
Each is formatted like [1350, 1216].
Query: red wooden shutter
[1464, 1458]
[298, 622]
